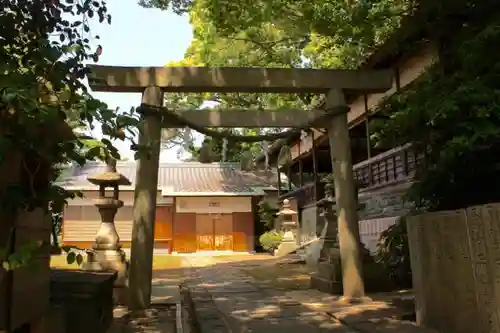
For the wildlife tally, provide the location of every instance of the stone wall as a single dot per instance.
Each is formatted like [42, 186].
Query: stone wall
[380, 208]
[455, 266]
[384, 202]
[370, 230]
[307, 226]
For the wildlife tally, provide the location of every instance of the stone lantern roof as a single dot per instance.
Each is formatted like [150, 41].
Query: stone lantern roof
[110, 177]
[286, 210]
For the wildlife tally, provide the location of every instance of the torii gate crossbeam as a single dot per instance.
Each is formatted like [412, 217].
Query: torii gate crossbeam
[154, 81]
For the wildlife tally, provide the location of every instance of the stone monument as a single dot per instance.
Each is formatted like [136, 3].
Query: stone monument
[107, 253]
[288, 225]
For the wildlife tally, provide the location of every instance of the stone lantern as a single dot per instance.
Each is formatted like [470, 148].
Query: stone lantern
[328, 277]
[328, 218]
[288, 225]
[106, 253]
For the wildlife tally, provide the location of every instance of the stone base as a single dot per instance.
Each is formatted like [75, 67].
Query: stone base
[325, 285]
[111, 260]
[329, 273]
[86, 298]
[286, 247]
[355, 300]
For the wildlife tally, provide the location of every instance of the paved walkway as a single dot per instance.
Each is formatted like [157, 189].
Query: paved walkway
[227, 300]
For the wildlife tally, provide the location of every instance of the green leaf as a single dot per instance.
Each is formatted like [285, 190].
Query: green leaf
[79, 259]
[94, 152]
[71, 257]
[91, 143]
[66, 248]
[6, 265]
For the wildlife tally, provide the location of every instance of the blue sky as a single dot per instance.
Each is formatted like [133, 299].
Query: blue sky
[140, 37]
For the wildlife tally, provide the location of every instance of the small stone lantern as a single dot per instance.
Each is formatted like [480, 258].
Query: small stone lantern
[106, 253]
[288, 225]
[328, 277]
[326, 207]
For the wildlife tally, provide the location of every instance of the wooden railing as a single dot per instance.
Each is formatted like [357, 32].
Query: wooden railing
[392, 166]
[301, 194]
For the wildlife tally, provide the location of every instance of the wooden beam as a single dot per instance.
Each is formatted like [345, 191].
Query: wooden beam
[250, 118]
[236, 79]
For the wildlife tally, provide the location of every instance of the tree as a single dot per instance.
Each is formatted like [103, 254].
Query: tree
[44, 47]
[452, 116]
[336, 33]
[254, 47]
[278, 34]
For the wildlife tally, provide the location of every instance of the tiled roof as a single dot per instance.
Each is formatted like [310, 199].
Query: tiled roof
[187, 177]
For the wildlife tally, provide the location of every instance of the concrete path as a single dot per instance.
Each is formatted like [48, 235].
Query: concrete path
[165, 289]
[228, 300]
[165, 284]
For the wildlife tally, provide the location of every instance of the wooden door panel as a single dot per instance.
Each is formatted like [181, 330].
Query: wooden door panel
[163, 223]
[185, 233]
[243, 232]
[204, 232]
[223, 232]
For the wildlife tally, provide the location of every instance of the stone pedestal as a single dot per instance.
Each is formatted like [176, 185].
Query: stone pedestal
[328, 277]
[106, 253]
[111, 260]
[287, 245]
[86, 299]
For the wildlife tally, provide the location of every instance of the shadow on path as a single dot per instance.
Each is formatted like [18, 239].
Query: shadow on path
[228, 300]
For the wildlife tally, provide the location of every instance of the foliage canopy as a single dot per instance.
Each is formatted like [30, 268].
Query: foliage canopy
[450, 113]
[452, 116]
[45, 108]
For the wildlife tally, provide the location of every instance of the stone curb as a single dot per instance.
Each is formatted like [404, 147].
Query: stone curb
[188, 308]
[179, 318]
[204, 315]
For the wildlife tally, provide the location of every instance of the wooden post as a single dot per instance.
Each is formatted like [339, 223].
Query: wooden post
[289, 176]
[345, 197]
[367, 131]
[301, 171]
[146, 188]
[279, 178]
[315, 168]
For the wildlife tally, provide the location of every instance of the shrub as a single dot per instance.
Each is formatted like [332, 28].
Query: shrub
[394, 254]
[267, 214]
[271, 240]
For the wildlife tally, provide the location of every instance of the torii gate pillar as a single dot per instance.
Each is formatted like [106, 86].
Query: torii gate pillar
[345, 198]
[146, 189]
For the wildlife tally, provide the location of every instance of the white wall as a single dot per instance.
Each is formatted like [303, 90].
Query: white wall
[213, 205]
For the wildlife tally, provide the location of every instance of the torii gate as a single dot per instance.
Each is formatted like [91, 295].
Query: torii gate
[152, 82]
